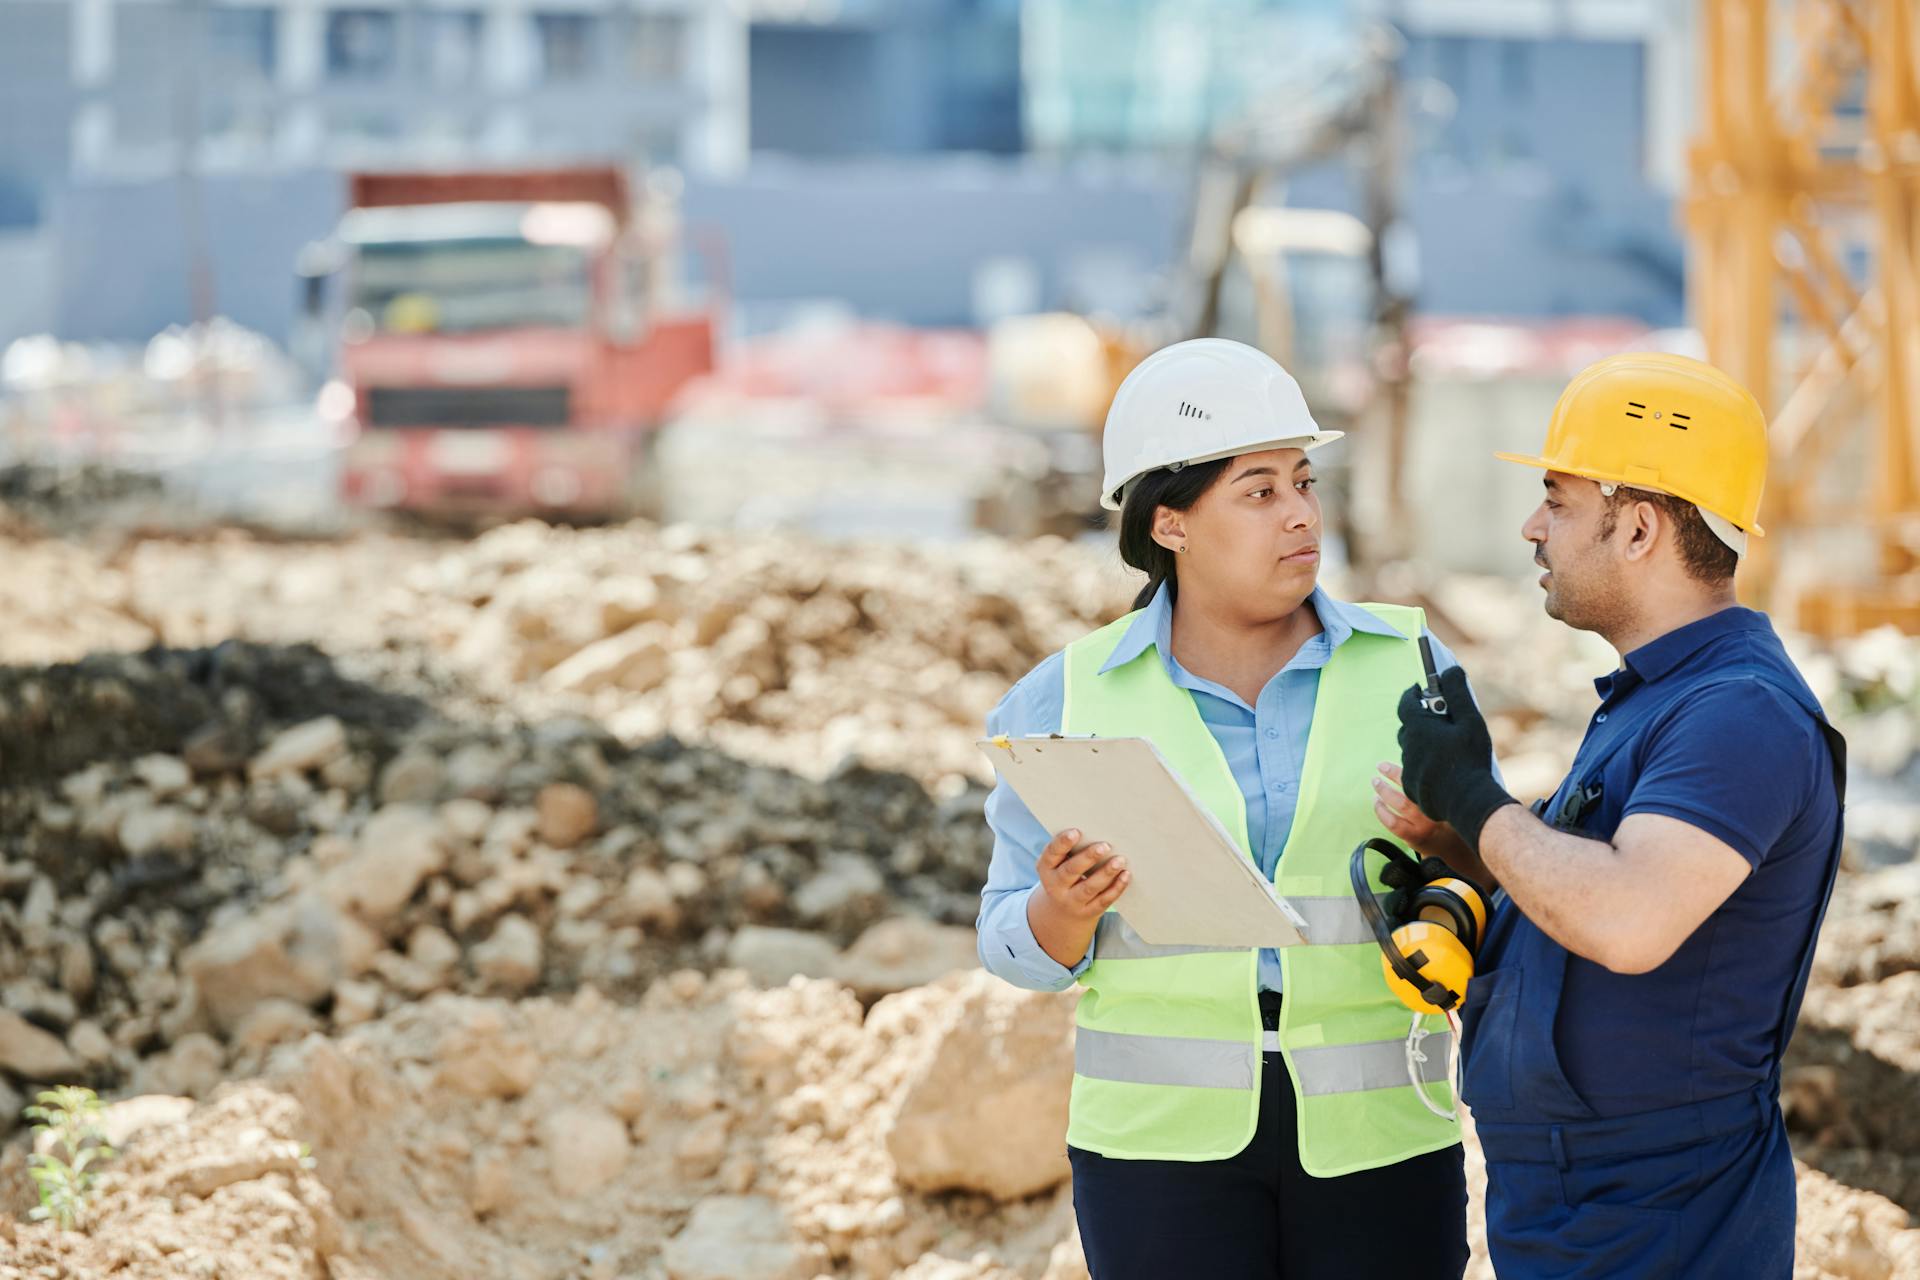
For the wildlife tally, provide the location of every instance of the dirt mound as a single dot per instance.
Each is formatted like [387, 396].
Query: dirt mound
[221, 865]
[713, 1132]
[448, 897]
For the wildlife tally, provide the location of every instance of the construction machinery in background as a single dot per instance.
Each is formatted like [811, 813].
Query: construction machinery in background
[1320, 290]
[1804, 227]
[508, 341]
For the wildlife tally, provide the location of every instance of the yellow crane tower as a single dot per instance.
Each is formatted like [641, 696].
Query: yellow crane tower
[1803, 216]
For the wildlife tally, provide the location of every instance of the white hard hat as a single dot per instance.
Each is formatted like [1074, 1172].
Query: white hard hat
[1197, 401]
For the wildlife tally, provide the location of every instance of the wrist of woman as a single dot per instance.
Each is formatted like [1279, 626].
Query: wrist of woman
[1065, 938]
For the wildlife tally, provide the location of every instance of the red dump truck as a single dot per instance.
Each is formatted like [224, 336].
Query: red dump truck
[508, 342]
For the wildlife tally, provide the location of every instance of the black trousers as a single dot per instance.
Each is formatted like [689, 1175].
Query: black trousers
[1259, 1216]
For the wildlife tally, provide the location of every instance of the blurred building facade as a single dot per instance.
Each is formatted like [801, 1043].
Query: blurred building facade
[926, 161]
[1552, 129]
[886, 77]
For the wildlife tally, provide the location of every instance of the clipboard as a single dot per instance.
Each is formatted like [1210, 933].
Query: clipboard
[1192, 885]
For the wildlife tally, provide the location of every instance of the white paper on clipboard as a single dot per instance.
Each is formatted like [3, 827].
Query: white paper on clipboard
[1192, 884]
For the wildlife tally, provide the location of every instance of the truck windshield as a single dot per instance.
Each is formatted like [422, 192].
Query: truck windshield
[458, 286]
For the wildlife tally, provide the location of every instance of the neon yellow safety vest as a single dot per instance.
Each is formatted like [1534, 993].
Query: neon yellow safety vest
[1167, 1055]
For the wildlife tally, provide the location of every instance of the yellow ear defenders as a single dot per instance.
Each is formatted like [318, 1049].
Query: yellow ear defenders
[1428, 956]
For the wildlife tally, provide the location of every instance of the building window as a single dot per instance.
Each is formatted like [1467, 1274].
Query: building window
[1516, 71]
[240, 45]
[447, 51]
[361, 44]
[569, 44]
[656, 47]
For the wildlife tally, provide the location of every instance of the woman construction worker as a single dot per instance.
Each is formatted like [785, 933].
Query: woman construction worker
[1235, 1113]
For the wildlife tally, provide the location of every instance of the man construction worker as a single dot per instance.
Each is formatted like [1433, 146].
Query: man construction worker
[1646, 959]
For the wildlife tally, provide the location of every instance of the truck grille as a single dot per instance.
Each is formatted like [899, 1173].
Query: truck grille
[469, 406]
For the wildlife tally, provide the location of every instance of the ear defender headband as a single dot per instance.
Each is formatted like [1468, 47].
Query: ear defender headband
[1428, 957]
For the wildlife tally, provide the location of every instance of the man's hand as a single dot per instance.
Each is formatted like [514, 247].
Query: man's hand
[1448, 760]
[1075, 890]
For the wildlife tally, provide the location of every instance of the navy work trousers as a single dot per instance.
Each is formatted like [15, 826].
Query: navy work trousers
[1259, 1216]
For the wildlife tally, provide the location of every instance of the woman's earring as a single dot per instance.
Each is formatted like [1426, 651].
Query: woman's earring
[1183, 546]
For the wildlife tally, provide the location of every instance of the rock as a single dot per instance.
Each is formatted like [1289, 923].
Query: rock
[77, 974]
[355, 1003]
[637, 659]
[648, 899]
[121, 1120]
[273, 1022]
[1003, 1053]
[295, 950]
[414, 777]
[87, 1040]
[398, 849]
[773, 956]
[906, 952]
[466, 819]
[568, 814]
[12, 1102]
[214, 749]
[492, 1186]
[165, 776]
[848, 885]
[701, 1148]
[476, 770]
[301, 749]
[509, 959]
[737, 1238]
[586, 1148]
[192, 1067]
[28, 1051]
[433, 949]
[154, 829]
[482, 1058]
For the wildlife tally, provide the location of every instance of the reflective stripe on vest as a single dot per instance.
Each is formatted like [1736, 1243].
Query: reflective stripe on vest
[1230, 1064]
[1329, 921]
[1168, 1062]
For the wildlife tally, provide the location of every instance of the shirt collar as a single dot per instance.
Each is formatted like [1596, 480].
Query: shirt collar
[1662, 655]
[1659, 656]
[1153, 628]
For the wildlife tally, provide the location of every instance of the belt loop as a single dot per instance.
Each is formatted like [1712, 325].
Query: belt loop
[1559, 1148]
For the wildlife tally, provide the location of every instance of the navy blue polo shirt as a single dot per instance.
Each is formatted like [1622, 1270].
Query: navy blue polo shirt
[1698, 725]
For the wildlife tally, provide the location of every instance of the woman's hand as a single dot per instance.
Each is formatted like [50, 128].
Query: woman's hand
[1404, 818]
[1399, 814]
[1075, 890]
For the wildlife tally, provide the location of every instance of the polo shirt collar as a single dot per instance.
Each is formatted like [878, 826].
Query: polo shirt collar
[1153, 628]
[1662, 655]
[1659, 656]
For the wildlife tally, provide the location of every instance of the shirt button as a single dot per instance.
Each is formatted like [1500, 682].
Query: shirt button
[1281, 786]
[1601, 718]
[1273, 733]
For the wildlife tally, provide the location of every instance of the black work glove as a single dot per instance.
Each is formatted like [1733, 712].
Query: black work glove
[1405, 881]
[1447, 761]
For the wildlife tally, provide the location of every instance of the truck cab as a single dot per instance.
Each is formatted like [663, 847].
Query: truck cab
[508, 343]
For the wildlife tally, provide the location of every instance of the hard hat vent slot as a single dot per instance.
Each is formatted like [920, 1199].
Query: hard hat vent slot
[1681, 420]
[1193, 411]
[1634, 404]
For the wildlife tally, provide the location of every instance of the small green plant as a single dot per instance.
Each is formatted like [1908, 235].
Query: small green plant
[64, 1176]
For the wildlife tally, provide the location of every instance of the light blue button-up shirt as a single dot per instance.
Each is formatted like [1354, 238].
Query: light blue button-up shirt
[1265, 746]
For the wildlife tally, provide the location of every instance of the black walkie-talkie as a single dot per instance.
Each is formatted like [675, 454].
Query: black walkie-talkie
[1430, 697]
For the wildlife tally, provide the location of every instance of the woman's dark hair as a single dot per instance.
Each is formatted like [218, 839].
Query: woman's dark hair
[1163, 488]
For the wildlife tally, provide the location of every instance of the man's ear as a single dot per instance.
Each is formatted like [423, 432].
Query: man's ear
[1648, 525]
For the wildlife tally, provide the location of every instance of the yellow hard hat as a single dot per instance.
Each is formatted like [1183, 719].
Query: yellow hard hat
[1649, 420]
